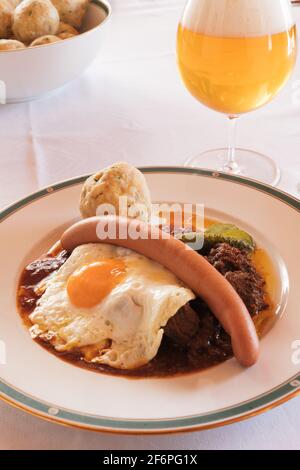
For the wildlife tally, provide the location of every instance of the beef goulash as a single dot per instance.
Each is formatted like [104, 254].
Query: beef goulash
[152, 304]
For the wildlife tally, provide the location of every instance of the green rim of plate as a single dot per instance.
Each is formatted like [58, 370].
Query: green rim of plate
[219, 417]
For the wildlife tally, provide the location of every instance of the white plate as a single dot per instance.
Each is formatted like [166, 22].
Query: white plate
[42, 384]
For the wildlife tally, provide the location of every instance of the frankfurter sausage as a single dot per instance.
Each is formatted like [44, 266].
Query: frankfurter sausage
[190, 267]
[55, 249]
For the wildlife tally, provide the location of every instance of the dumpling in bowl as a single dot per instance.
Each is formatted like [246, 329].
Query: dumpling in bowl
[66, 35]
[10, 44]
[66, 28]
[71, 11]
[66, 31]
[13, 3]
[45, 40]
[6, 18]
[33, 19]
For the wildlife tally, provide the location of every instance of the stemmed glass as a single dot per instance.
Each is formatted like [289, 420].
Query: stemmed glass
[235, 56]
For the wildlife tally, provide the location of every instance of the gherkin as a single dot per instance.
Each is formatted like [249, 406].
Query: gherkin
[231, 234]
[222, 233]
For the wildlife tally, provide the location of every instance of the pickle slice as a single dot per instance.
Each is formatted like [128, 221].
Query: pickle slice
[228, 233]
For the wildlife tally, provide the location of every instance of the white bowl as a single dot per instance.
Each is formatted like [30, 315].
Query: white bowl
[30, 73]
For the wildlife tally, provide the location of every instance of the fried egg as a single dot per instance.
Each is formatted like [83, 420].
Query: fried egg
[111, 304]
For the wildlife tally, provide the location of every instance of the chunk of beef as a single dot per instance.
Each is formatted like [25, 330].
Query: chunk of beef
[44, 266]
[250, 287]
[237, 267]
[226, 258]
[211, 342]
[183, 326]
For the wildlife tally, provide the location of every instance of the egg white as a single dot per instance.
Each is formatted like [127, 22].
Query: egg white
[125, 329]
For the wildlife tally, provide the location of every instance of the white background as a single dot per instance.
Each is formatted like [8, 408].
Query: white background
[130, 105]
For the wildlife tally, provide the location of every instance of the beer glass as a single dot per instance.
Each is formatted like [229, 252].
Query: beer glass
[234, 56]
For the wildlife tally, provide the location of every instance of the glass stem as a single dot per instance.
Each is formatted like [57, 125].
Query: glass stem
[231, 165]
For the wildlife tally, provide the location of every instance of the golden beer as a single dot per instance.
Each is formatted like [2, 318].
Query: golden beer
[235, 75]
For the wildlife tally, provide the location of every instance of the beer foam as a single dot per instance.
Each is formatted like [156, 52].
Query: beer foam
[238, 18]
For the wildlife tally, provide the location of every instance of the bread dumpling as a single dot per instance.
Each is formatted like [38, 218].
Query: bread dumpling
[108, 185]
[33, 19]
[66, 28]
[6, 19]
[13, 3]
[10, 44]
[66, 35]
[66, 31]
[71, 11]
[45, 40]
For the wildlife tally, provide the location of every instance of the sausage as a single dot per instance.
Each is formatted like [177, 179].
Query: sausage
[190, 267]
[55, 249]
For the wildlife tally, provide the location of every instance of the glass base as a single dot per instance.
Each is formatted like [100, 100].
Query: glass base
[248, 163]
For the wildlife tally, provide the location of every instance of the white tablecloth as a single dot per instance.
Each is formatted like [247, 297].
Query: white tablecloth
[130, 105]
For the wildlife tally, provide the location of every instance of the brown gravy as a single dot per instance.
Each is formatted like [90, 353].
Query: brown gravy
[171, 359]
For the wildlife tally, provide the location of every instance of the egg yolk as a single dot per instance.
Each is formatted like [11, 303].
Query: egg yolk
[89, 285]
